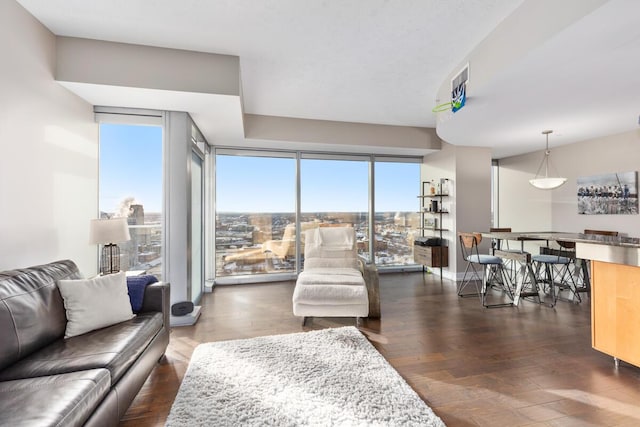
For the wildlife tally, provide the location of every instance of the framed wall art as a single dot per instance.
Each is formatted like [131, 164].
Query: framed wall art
[608, 194]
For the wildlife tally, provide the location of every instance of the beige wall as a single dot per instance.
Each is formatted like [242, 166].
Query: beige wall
[469, 202]
[524, 208]
[48, 153]
[340, 136]
[120, 64]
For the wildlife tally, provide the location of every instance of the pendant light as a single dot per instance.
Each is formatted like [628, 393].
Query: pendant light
[547, 182]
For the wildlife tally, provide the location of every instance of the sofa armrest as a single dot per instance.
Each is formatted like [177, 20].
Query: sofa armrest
[157, 297]
[370, 274]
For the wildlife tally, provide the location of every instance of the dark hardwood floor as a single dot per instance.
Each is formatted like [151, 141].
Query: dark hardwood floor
[518, 366]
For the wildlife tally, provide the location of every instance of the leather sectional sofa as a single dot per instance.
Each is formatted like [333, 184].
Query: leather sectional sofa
[90, 379]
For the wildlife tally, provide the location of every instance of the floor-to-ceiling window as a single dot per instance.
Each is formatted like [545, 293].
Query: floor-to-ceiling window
[131, 187]
[262, 197]
[255, 212]
[335, 191]
[397, 182]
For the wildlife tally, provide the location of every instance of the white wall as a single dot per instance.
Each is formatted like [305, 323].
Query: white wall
[524, 208]
[177, 207]
[48, 153]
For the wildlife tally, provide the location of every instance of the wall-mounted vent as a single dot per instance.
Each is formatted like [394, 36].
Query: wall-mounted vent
[463, 76]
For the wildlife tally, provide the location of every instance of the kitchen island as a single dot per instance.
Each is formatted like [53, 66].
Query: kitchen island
[615, 287]
[615, 294]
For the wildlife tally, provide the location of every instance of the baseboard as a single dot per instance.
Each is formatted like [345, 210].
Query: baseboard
[187, 319]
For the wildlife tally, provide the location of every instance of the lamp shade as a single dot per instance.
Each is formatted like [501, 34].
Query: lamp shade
[547, 183]
[105, 231]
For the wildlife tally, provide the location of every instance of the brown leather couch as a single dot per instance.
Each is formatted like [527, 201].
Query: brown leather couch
[89, 379]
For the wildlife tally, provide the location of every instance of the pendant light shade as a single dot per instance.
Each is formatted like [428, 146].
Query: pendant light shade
[546, 182]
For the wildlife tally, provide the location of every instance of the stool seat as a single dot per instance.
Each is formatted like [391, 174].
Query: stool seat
[551, 259]
[484, 259]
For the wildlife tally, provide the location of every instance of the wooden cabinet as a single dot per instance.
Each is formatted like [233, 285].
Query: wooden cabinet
[615, 317]
[431, 256]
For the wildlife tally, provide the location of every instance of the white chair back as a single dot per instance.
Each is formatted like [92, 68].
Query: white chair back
[331, 247]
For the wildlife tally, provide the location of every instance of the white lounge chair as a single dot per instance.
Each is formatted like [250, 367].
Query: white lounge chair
[336, 282]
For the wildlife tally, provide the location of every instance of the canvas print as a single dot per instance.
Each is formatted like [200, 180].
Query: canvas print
[608, 194]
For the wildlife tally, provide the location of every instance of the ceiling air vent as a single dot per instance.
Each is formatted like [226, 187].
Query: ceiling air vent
[463, 76]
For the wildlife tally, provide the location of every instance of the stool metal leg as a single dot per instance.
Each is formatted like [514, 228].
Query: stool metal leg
[489, 273]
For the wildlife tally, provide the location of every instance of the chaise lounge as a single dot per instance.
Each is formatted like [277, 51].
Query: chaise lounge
[336, 282]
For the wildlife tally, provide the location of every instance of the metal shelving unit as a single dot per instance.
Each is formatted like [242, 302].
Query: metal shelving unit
[432, 212]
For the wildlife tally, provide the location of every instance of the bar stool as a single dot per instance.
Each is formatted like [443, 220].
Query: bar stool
[496, 244]
[549, 267]
[519, 268]
[492, 270]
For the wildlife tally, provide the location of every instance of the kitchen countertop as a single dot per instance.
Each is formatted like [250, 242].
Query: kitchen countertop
[628, 242]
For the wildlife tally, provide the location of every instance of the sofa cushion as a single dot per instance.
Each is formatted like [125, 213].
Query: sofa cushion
[32, 313]
[114, 348]
[56, 400]
[84, 302]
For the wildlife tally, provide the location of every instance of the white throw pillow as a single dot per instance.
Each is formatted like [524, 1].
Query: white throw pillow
[95, 303]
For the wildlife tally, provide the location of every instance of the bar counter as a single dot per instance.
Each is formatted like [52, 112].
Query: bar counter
[615, 293]
[615, 287]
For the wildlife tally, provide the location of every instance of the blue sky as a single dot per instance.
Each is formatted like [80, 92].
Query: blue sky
[131, 166]
[259, 184]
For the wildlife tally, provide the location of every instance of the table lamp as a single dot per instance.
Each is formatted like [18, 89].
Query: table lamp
[108, 232]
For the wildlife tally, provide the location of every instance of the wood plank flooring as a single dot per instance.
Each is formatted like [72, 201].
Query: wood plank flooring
[517, 366]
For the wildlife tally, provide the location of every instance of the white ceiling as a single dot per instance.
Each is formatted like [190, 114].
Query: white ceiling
[381, 61]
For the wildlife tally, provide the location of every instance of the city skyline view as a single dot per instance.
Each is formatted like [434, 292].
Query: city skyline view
[255, 202]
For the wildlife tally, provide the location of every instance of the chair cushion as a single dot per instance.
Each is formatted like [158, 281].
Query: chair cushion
[69, 399]
[336, 244]
[332, 263]
[484, 259]
[551, 259]
[342, 287]
[336, 238]
[114, 348]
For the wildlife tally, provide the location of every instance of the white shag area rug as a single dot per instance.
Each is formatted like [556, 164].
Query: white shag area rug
[331, 377]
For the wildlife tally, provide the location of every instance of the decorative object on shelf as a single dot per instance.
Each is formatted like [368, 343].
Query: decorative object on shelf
[608, 194]
[444, 186]
[432, 188]
[547, 182]
[108, 232]
[430, 223]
